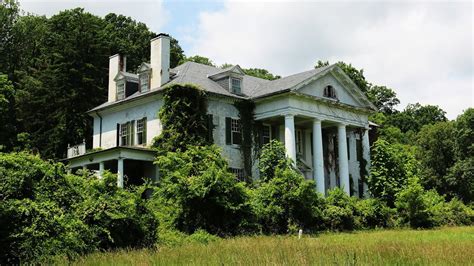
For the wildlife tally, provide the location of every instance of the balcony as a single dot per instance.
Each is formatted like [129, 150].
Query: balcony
[76, 150]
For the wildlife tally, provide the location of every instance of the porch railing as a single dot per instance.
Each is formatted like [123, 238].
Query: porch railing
[76, 150]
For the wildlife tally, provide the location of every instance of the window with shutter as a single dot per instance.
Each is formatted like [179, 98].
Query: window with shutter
[233, 131]
[141, 131]
[124, 134]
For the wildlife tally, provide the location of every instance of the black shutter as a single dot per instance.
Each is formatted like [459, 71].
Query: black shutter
[228, 138]
[132, 133]
[210, 128]
[118, 135]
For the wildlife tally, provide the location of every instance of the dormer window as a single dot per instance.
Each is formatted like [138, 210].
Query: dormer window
[330, 92]
[144, 82]
[120, 90]
[236, 85]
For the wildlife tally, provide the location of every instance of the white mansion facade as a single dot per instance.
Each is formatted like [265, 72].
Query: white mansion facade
[320, 115]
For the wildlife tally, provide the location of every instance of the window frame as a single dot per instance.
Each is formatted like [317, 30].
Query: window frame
[231, 85]
[269, 137]
[140, 77]
[238, 172]
[120, 95]
[235, 127]
[124, 128]
[141, 131]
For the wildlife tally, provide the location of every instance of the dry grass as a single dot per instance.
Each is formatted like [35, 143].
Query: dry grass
[445, 246]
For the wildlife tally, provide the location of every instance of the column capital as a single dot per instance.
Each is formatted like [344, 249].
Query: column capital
[317, 120]
[288, 115]
[341, 124]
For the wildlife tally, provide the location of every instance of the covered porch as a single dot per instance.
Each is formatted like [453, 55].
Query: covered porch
[131, 164]
[329, 145]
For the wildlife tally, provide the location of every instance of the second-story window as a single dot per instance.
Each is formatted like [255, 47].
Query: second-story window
[120, 91]
[144, 82]
[141, 131]
[124, 134]
[236, 131]
[233, 131]
[236, 85]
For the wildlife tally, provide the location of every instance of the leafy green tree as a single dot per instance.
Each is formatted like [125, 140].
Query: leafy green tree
[198, 59]
[260, 73]
[385, 99]
[131, 38]
[68, 82]
[391, 166]
[464, 134]
[356, 75]
[9, 14]
[436, 154]
[7, 114]
[415, 116]
[255, 72]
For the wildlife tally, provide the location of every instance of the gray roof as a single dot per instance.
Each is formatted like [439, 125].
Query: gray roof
[198, 74]
[285, 83]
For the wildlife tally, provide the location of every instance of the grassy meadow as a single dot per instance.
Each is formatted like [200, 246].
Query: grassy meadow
[443, 246]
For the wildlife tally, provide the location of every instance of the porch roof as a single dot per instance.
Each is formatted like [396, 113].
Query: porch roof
[120, 152]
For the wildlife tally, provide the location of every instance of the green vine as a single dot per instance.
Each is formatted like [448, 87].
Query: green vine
[184, 119]
[249, 134]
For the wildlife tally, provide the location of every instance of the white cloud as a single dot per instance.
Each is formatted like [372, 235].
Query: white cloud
[150, 12]
[424, 50]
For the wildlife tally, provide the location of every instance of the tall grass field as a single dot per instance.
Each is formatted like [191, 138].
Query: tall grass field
[444, 246]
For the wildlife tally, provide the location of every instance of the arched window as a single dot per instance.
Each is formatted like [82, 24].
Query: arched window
[330, 92]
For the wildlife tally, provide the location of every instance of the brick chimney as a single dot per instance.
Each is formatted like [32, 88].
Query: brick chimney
[160, 60]
[117, 63]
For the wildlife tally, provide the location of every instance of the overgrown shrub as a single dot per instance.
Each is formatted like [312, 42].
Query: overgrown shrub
[272, 156]
[118, 218]
[425, 209]
[391, 167]
[339, 211]
[52, 213]
[373, 213]
[283, 200]
[197, 192]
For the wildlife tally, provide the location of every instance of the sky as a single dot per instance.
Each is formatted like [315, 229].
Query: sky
[423, 50]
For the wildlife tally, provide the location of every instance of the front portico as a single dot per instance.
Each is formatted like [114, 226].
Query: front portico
[328, 140]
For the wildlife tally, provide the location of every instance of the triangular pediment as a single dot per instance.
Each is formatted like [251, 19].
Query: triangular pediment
[230, 71]
[144, 67]
[345, 91]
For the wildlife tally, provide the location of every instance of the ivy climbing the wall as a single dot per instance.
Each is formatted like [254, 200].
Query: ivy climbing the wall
[249, 134]
[184, 119]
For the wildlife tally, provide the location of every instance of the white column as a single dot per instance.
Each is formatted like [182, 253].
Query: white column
[366, 157]
[120, 172]
[101, 170]
[343, 160]
[354, 172]
[290, 137]
[318, 158]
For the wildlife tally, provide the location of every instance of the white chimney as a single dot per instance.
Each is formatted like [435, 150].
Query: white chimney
[116, 63]
[160, 60]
